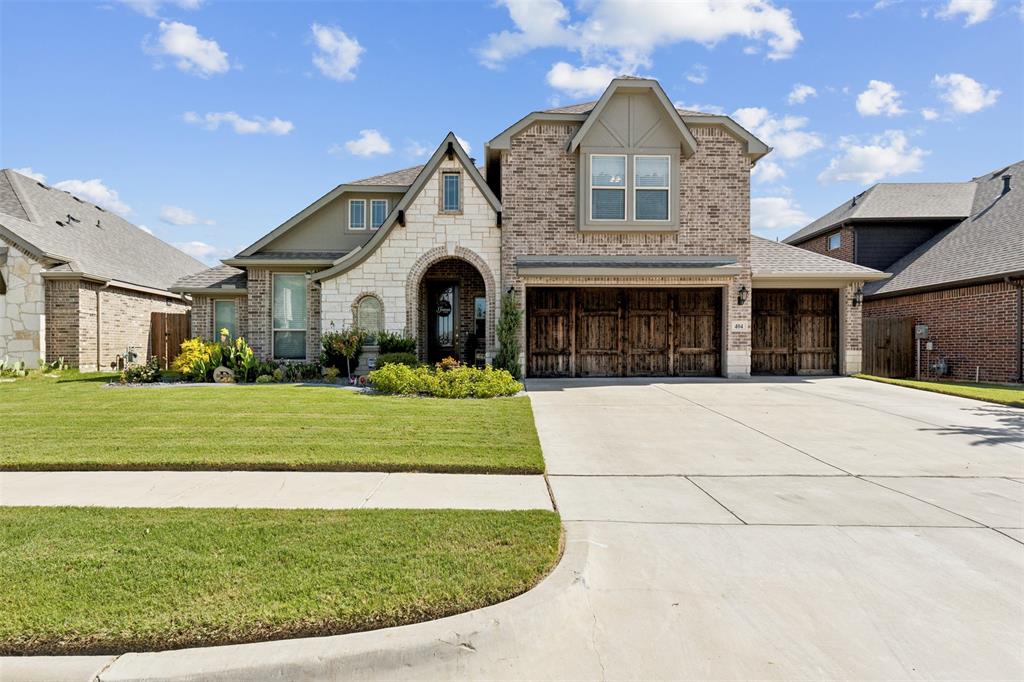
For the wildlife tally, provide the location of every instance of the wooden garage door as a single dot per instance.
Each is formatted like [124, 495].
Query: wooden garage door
[598, 332]
[795, 332]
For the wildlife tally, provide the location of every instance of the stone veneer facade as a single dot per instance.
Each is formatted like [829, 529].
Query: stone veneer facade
[22, 311]
[394, 270]
[539, 203]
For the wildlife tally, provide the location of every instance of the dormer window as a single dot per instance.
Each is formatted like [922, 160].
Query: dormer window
[357, 214]
[451, 192]
[378, 212]
[607, 187]
[650, 187]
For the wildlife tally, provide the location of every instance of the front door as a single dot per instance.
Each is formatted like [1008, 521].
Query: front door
[442, 321]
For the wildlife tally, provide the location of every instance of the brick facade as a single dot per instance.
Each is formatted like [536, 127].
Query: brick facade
[471, 286]
[846, 250]
[973, 328]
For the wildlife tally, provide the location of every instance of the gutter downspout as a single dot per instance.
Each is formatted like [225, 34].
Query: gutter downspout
[1020, 331]
[99, 325]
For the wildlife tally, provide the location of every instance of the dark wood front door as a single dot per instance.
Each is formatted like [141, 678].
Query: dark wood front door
[442, 321]
[795, 332]
[608, 332]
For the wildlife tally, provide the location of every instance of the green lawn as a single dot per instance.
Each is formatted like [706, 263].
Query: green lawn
[993, 393]
[75, 422]
[95, 580]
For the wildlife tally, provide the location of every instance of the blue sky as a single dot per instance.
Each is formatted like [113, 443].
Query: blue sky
[212, 122]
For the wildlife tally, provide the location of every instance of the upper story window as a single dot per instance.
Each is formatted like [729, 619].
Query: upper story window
[607, 187]
[451, 192]
[357, 214]
[650, 187]
[835, 241]
[378, 212]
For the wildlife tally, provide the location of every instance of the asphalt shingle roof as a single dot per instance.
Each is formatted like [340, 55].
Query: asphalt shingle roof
[770, 257]
[989, 243]
[214, 278]
[405, 177]
[97, 242]
[896, 201]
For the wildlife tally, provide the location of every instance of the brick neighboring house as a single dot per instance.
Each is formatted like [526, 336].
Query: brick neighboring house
[76, 281]
[956, 255]
[622, 226]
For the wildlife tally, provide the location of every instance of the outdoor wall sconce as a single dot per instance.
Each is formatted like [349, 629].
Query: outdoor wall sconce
[742, 298]
[511, 290]
[858, 297]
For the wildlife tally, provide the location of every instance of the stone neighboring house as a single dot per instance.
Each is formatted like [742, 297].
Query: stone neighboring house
[955, 251]
[622, 226]
[76, 281]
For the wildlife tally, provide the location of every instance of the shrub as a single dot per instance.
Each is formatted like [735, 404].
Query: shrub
[395, 342]
[331, 374]
[408, 359]
[508, 336]
[264, 379]
[191, 350]
[459, 381]
[13, 368]
[199, 358]
[342, 349]
[148, 373]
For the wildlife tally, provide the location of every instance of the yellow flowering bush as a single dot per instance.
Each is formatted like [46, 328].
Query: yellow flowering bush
[192, 350]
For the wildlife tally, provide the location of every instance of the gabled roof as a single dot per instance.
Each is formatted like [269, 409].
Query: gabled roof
[222, 278]
[769, 259]
[895, 201]
[353, 258]
[403, 177]
[93, 241]
[988, 244]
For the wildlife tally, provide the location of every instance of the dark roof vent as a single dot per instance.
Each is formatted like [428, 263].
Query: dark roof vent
[73, 219]
[1006, 183]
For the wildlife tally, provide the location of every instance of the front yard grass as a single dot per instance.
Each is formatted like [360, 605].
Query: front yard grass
[993, 393]
[75, 423]
[99, 581]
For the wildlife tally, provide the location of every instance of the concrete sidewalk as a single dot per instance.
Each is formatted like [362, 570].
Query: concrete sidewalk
[272, 489]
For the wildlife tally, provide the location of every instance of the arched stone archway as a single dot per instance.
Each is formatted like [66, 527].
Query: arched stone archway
[458, 265]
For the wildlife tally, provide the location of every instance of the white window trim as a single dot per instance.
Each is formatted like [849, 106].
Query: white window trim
[356, 201]
[667, 188]
[216, 327]
[828, 241]
[591, 187]
[274, 330]
[387, 209]
[458, 176]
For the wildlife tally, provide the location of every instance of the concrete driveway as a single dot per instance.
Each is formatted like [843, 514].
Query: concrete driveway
[781, 529]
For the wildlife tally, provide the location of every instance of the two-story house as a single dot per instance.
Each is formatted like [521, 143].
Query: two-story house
[955, 251]
[622, 226]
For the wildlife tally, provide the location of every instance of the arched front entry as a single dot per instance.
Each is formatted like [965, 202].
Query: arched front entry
[451, 307]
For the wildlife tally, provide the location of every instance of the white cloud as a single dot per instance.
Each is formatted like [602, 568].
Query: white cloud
[337, 55]
[964, 94]
[800, 93]
[880, 98]
[767, 172]
[151, 8]
[703, 108]
[784, 133]
[144, 229]
[194, 53]
[887, 155]
[772, 214]
[698, 75]
[369, 143]
[585, 81]
[416, 150]
[974, 11]
[97, 193]
[929, 114]
[465, 145]
[626, 34]
[29, 173]
[203, 251]
[243, 126]
[176, 215]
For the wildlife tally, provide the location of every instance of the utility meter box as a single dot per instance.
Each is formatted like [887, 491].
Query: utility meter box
[920, 331]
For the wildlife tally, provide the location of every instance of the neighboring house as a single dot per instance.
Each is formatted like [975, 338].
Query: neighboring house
[622, 226]
[956, 254]
[76, 281]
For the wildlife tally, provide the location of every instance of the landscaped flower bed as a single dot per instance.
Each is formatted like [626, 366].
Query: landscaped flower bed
[447, 379]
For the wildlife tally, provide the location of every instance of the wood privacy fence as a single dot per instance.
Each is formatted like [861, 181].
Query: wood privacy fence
[889, 347]
[167, 331]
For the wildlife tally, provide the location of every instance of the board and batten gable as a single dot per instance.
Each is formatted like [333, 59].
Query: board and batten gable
[392, 272]
[327, 229]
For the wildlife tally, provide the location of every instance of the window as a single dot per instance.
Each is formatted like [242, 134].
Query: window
[835, 241]
[225, 316]
[650, 187]
[289, 317]
[607, 187]
[378, 212]
[451, 200]
[369, 315]
[480, 317]
[357, 214]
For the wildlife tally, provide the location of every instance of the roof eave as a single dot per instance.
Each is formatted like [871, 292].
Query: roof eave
[850, 275]
[951, 284]
[281, 262]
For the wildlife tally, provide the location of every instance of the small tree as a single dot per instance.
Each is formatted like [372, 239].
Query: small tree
[508, 335]
[347, 343]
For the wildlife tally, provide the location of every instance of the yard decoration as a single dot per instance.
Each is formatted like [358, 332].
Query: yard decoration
[223, 375]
